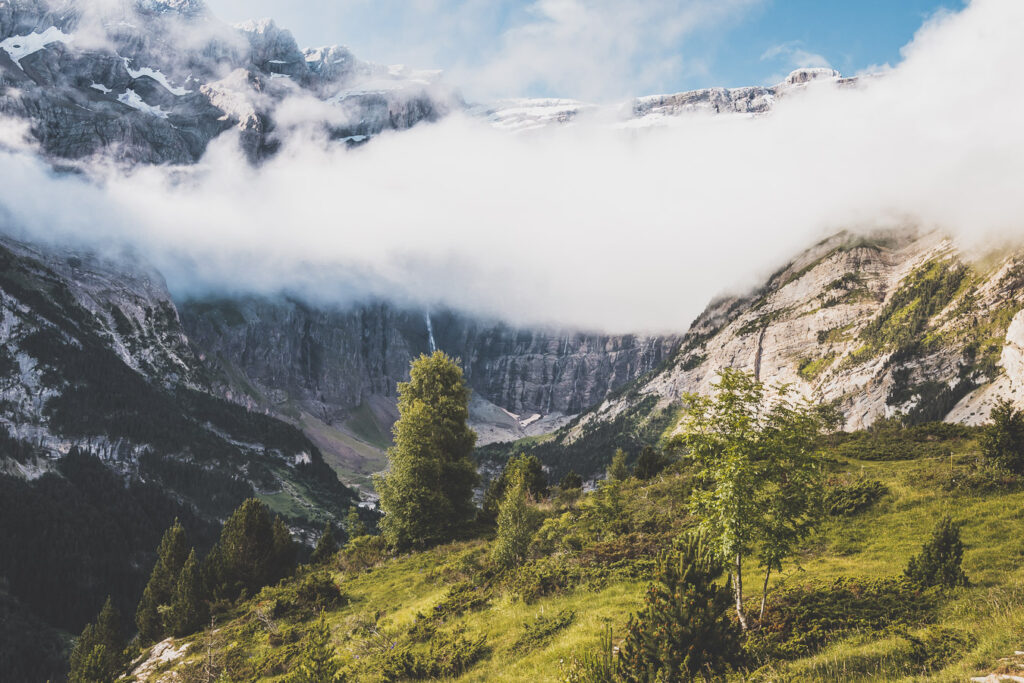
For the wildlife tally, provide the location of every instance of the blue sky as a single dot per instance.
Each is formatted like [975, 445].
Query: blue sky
[604, 49]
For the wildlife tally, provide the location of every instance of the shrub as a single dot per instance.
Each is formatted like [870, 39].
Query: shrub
[938, 563]
[939, 646]
[684, 630]
[804, 618]
[545, 576]
[317, 662]
[448, 654]
[844, 500]
[1002, 442]
[461, 597]
[363, 552]
[589, 667]
[542, 629]
[313, 593]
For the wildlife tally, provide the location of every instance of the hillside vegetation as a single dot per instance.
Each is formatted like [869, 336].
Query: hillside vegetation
[842, 611]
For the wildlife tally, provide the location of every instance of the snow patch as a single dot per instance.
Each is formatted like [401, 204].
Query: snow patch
[99, 86]
[19, 47]
[135, 101]
[157, 76]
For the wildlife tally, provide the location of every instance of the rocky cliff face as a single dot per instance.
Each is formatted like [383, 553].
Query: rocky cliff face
[328, 363]
[154, 81]
[93, 357]
[894, 323]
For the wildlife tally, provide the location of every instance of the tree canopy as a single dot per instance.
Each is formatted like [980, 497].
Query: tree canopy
[754, 451]
[427, 493]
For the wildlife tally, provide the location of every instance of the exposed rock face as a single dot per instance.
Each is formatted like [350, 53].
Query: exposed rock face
[329, 362]
[93, 356]
[895, 323]
[81, 298]
[156, 81]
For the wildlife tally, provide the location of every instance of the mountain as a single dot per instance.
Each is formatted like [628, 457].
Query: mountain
[334, 371]
[156, 80]
[95, 359]
[900, 323]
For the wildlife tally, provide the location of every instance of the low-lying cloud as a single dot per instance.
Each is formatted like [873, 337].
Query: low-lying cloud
[588, 225]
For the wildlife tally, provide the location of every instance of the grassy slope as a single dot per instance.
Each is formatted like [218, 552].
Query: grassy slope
[874, 543]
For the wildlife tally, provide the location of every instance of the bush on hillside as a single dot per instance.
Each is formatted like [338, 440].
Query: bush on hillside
[684, 630]
[938, 563]
[805, 618]
[1002, 442]
[843, 499]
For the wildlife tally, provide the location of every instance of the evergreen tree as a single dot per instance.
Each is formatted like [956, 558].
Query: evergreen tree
[427, 494]
[527, 466]
[326, 546]
[938, 563]
[188, 610]
[517, 521]
[98, 654]
[163, 581]
[571, 481]
[254, 550]
[618, 471]
[684, 631]
[285, 554]
[147, 618]
[650, 463]
[354, 525]
[317, 661]
[1002, 442]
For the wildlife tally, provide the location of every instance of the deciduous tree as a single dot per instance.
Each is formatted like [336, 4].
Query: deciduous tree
[754, 453]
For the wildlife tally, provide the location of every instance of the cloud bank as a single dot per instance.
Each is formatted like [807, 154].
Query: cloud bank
[591, 225]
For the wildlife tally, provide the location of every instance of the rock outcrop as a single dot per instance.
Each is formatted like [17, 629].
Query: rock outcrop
[329, 362]
[896, 323]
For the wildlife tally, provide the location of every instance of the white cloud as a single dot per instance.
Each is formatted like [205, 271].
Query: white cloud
[582, 225]
[598, 49]
[792, 55]
[593, 49]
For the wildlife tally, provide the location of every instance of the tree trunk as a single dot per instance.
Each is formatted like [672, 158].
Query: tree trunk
[764, 597]
[737, 582]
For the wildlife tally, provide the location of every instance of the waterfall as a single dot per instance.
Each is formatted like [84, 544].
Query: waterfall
[430, 332]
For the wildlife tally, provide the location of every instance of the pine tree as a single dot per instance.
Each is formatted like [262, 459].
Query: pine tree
[98, 654]
[285, 552]
[530, 468]
[938, 563]
[571, 481]
[427, 494]
[317, 661]
[188, 611]
[254, 550]
[517, 521]
[618, 471]
[354, 526]
[147, 617]
[171, 555]
[650, 463]
[326, 546]
[684, 630]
